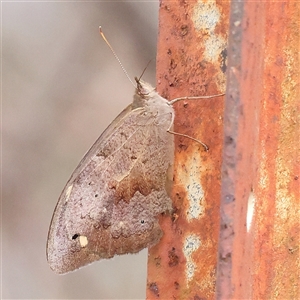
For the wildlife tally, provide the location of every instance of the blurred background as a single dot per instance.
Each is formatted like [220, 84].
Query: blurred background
[61, 87]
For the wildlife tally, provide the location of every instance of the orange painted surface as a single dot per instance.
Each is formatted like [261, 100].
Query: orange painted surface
[278, 211]
[191, 62]
[259, 213]
[261, 160]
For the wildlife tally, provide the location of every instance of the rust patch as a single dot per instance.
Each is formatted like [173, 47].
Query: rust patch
[157, 261]
[154, 289]
[173, 258]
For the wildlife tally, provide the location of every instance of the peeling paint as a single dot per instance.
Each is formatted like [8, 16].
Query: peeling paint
[195, 196]
[206, 17]
[214, 45]
[191, 244]
[195, 193]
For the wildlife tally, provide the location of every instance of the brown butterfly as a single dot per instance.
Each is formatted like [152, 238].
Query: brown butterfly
[111, 202]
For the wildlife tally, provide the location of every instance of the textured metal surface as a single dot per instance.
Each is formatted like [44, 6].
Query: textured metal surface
[191, 62]
[259, 237]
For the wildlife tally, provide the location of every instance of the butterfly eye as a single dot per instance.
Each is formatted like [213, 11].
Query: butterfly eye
[96, 195]
[142, 221]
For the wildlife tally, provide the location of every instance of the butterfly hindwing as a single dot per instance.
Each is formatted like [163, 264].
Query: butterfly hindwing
[111, 202]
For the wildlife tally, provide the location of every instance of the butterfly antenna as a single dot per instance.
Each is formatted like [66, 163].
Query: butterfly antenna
[115, 55]
[145, 69]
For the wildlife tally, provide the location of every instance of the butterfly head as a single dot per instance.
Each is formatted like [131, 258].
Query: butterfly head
[144, 89]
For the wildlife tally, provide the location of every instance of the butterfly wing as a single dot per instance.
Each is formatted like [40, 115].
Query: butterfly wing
[111, 202]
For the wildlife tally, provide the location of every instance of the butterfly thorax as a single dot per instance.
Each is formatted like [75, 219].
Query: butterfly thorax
[146, 97]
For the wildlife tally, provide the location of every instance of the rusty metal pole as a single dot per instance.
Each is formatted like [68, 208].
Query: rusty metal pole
[260, 232]
[191, 60]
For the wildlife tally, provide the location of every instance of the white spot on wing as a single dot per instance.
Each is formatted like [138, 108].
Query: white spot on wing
[83, 241]
[68, 192]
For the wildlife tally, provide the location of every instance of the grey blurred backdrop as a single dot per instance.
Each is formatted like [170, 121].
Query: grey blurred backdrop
[61, 87]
